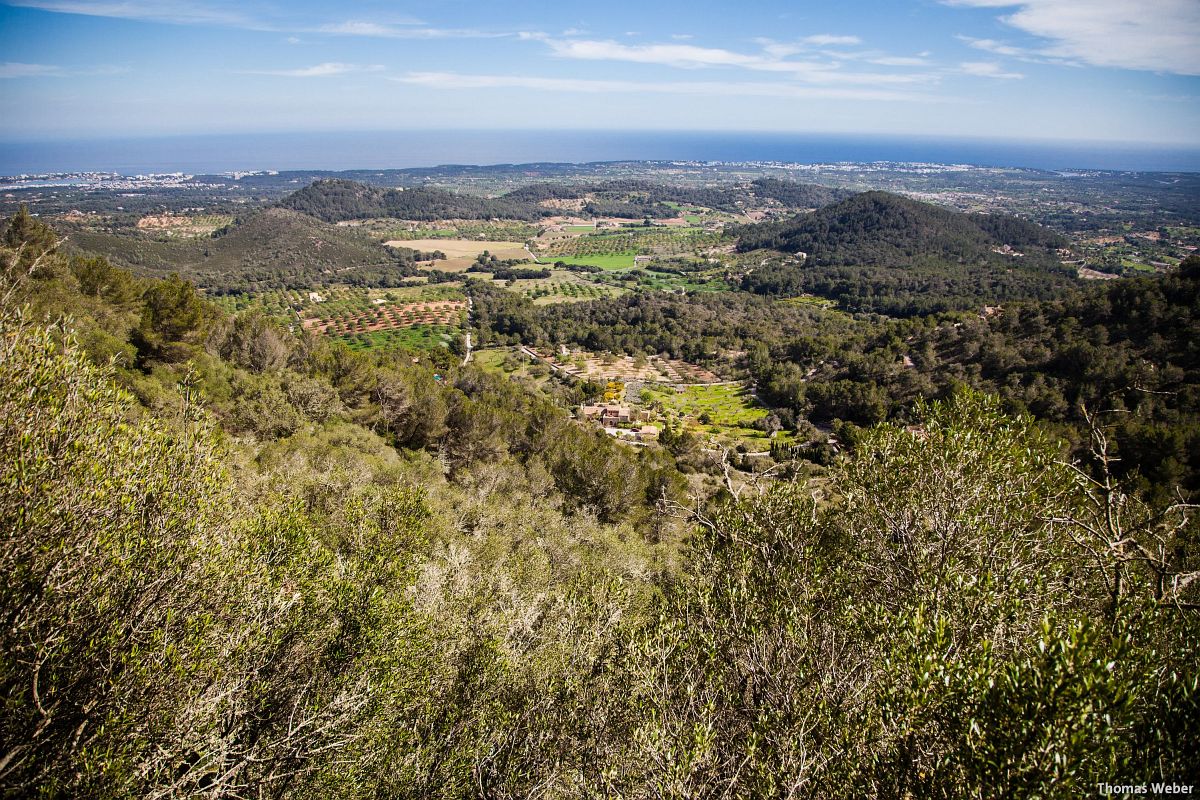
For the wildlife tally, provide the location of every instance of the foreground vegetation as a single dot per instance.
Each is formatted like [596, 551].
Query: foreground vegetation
[245, 561]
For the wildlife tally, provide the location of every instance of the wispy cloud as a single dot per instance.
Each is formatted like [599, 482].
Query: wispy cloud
[994, 47]
[829, 40]
[988, 69]
[326, 70]
[16, 69]
[1157, 35]
[380, 30]
[451, 80]
[173, 12]
[898, 61]
[774, 57]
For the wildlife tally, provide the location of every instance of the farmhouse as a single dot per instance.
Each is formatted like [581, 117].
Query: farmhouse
[607, 413]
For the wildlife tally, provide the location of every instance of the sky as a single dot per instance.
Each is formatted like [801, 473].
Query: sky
[1078, 70]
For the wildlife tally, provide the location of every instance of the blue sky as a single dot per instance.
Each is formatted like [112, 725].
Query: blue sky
[1107, 70]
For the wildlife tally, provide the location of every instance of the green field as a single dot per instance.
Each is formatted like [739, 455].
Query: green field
[611, 261]
[729, 411]
[562, 287]
[335, 301]
[418, 337]
[614, 249]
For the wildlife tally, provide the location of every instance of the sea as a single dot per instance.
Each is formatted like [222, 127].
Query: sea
[214, 154]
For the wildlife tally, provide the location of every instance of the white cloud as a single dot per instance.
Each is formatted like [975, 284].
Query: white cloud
[826, 40]
[451, 80]
[1157, 35]
[988, 69]
[993, 46]
[15, 69]
[326, 70]
[175, 13]
[773, 58]
[899, 61]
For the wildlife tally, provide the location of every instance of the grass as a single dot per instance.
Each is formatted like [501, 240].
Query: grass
[458, 248]
[614, 249]
[730, 411]
[562, 287]
[609, 261]
[418, 337]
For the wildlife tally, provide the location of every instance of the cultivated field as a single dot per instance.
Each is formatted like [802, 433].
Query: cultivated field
[418, 316]
[626, 369]
[617, 249]
[562, 286]
[461, 253]
[385, 316]
[725, 411]
[182, 226]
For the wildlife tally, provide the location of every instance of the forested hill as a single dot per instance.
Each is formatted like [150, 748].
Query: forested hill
[797, 195]
[885, 253]
[884, 228]
[336, 200]
[652, 198]
[272, 248]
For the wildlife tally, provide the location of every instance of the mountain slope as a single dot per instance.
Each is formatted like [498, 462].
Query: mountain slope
[881, 252]
[273, 248]
[878, 227]
[336, 200]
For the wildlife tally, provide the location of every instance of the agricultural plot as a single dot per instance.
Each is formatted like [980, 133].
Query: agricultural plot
[561, 287]
[385, 229]
[617, 249]
[290, 304]
[417, 337]
[414, 317]
[385, 316]
[461, 253]
[607, 367]
[724, 411]
[179, 226]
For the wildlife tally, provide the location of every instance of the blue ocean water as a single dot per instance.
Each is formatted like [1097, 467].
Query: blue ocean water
[426, 148]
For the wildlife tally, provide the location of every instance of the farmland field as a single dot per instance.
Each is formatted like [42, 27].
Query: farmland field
[610, 261]
[608, 367]
[383, 315]
[616, 249]
[562, 287]
[457, 248]
[723, 411]
[417, 337]
[417, 316]
[461, 253]
[181, 225]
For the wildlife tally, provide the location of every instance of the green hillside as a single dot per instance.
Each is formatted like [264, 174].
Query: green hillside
[881, 252]
[336, 200]
[270, 249]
